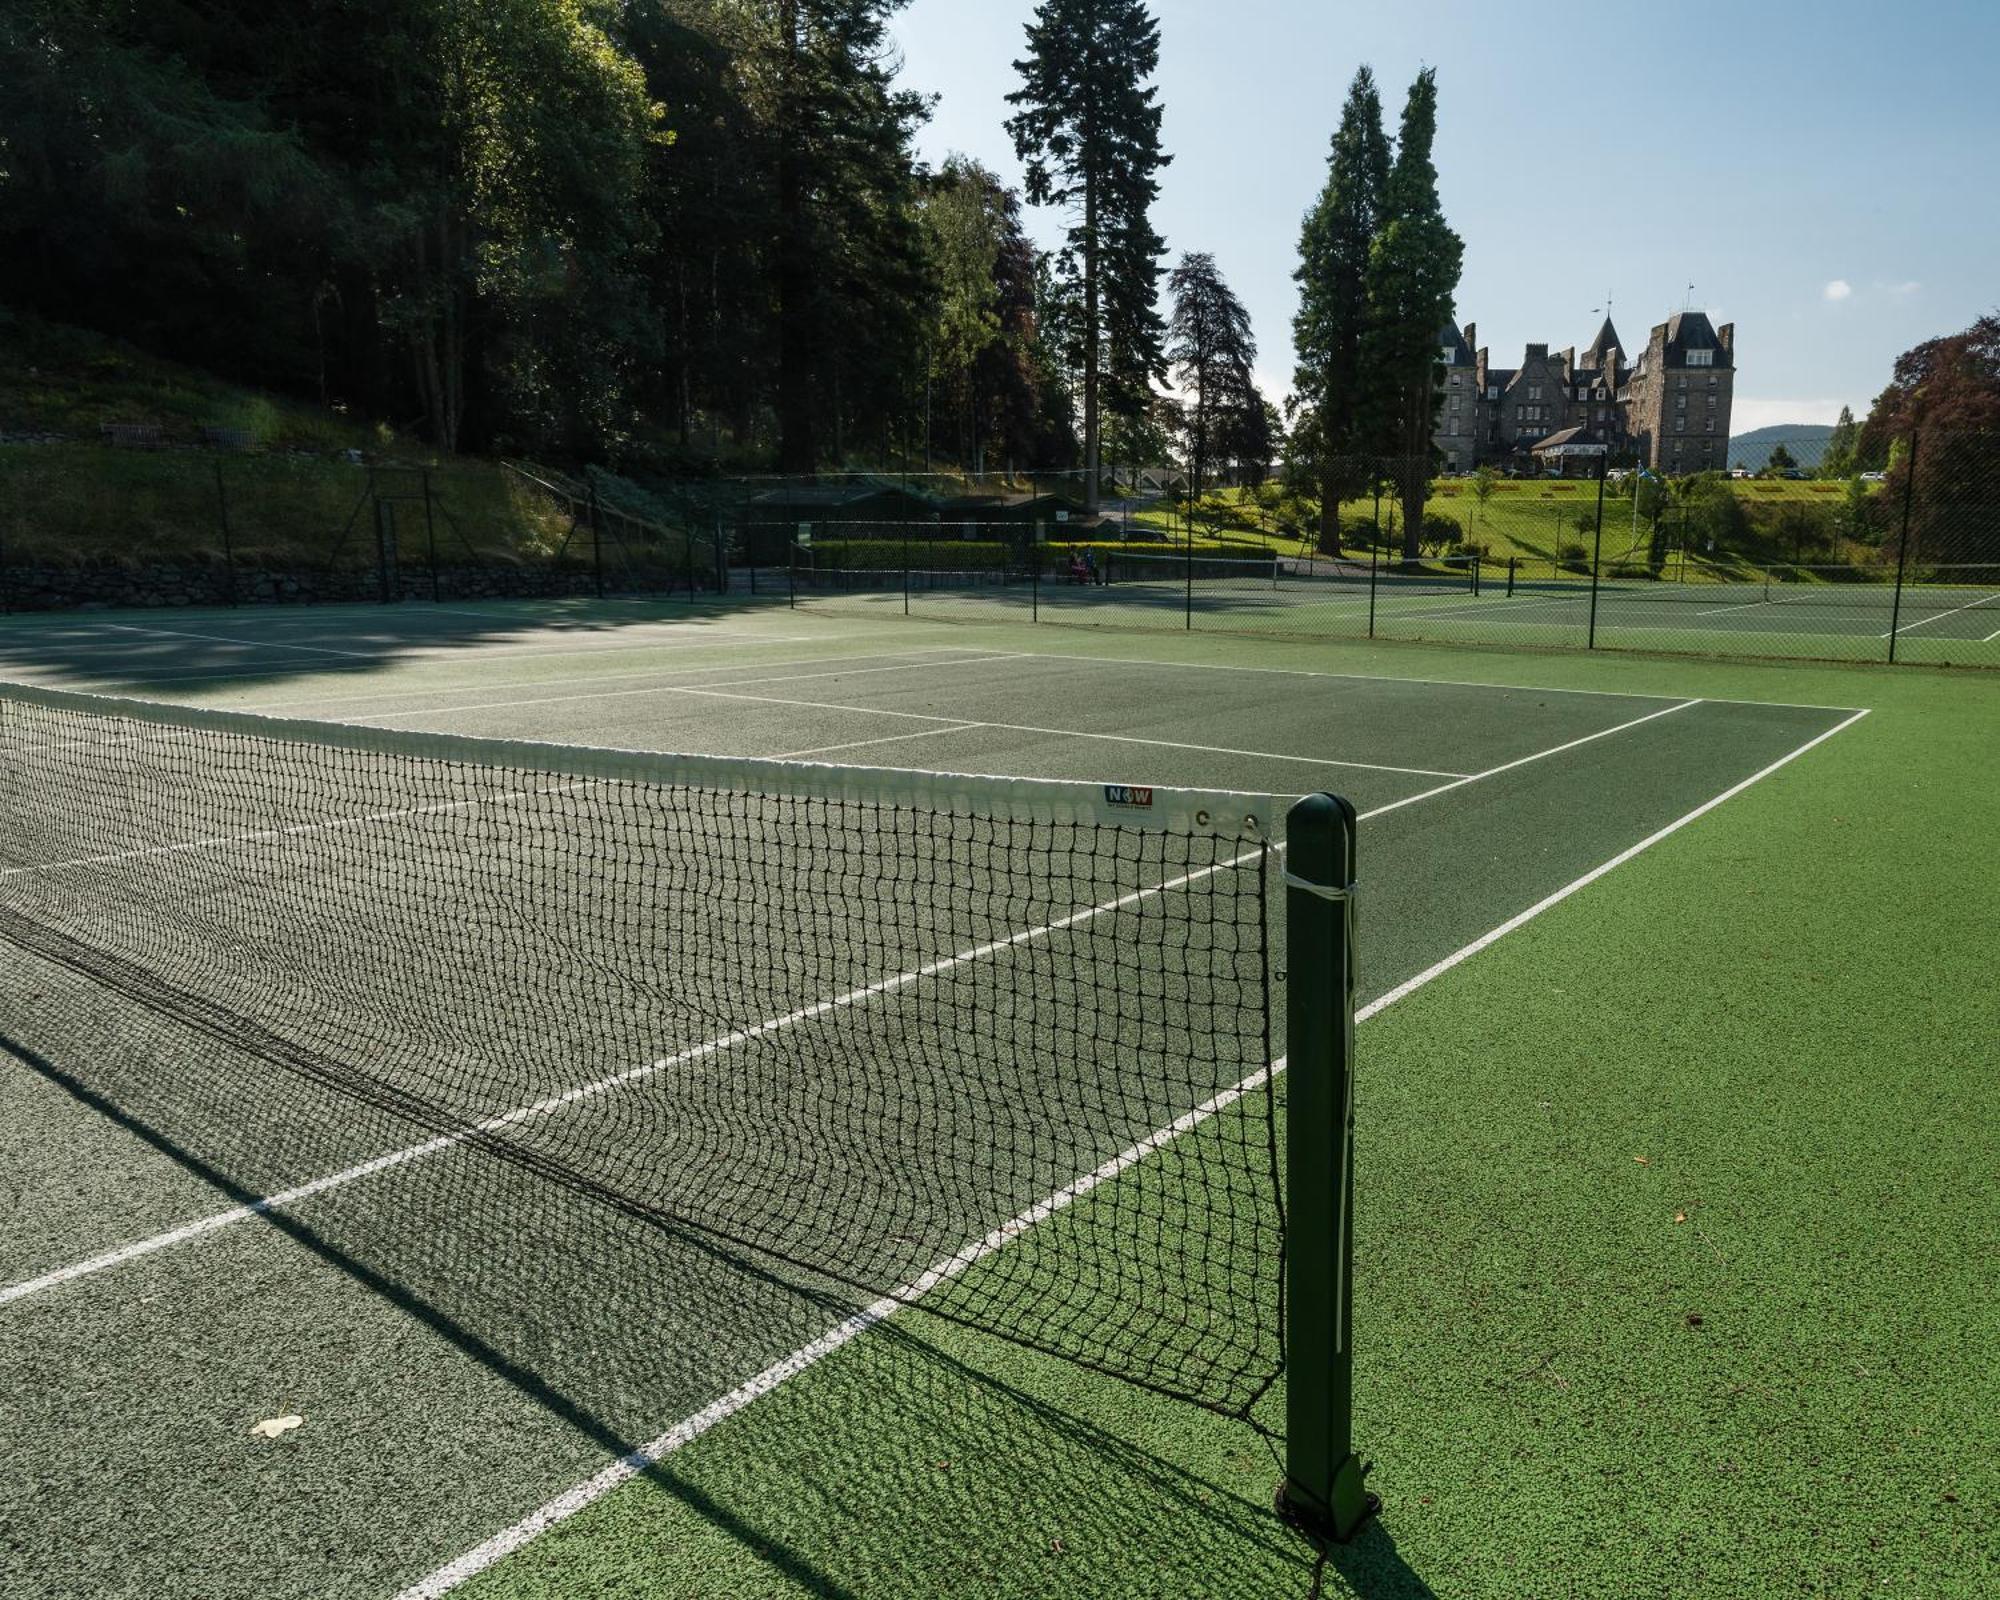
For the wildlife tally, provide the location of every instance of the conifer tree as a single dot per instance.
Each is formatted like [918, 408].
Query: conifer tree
[1089, 131]
[1412, 276]
[1326, 333]
[1211, 351]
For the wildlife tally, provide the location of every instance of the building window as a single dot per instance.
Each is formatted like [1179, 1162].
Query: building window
[1454, 380]
[1681, 402]
[1493, 391]
[1701, 358]
[1600, 413]
[1583, 391]
[1534, 391]
[1680, 424]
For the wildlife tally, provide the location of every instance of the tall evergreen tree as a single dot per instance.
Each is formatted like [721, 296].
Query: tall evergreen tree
[1089, 132]
[847, 254]
[1334, 243]
[1413, 268]
[1838, 461]
[1211, 350]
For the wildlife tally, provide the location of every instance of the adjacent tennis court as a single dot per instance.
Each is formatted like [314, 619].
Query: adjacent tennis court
[517, 1116]
[1943, 616]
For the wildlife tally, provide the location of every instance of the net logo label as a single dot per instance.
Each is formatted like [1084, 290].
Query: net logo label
[1127, 794]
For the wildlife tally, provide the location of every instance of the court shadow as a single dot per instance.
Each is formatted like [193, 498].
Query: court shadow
[917, 1459]
[162, 653]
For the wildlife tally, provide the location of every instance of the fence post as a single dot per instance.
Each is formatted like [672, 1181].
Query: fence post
[1374, 555]
[430, 535]
[1322, 1491]
[1511, 560]
[596, 542]
[1035, 572]
[1187, 620]
[906, 569]
[1903, 546]
[1596, 554]
[228, 549]
[687, 559]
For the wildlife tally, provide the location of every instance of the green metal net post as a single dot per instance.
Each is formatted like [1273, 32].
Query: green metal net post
[1322, 1492]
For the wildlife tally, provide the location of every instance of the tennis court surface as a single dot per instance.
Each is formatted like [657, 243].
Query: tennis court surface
[510, 1038]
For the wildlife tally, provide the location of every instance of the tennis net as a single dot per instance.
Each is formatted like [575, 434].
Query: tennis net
[868, 1025]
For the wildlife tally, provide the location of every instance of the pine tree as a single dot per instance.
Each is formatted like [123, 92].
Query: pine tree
[1838, 461]
[1413, 268]
[1211, 351]
[848, 255]
[1326, 333]
[1089, 131]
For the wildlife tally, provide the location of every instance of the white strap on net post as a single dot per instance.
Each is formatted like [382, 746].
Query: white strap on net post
[1326, 891]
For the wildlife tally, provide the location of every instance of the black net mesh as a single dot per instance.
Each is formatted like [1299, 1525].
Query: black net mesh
[864, 1038]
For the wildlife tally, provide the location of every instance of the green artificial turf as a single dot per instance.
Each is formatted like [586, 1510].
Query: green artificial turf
[1674, 1209]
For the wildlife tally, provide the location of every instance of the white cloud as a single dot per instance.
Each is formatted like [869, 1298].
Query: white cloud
[1900, 290]
[1838, 289]
[1747, 414]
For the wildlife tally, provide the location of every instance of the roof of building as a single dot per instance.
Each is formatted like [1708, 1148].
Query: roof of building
[1691, 330]
[1606, 343]
[1568, 440]
[1449, 338]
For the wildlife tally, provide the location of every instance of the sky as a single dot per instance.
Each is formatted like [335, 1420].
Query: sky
[1821, 173]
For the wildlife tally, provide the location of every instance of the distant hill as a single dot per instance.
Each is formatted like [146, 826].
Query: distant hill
[1806, 441]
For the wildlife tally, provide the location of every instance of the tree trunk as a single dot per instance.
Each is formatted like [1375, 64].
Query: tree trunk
[1090, 346]
[796, 450]
[1329, 517]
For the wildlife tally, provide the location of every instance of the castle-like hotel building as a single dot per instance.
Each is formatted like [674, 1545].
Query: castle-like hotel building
[1668, 410]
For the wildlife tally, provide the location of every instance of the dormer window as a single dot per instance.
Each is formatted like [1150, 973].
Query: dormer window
[1450, 356]
[1701, 358]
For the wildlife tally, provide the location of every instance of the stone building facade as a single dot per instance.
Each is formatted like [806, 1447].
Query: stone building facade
[1668, 410]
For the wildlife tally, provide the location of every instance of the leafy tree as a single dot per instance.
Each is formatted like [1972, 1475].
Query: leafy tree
[1780, 460]
[1413, 268]
[1211, 350]
[1948, 385]
[1089, 131]
[1334, 245]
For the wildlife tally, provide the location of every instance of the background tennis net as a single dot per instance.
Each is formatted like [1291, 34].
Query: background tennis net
[848, 1022]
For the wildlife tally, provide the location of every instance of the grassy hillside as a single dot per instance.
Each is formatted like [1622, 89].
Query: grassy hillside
[282, 489]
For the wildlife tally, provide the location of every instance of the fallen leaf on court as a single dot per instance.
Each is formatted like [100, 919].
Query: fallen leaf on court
[272, 1427]
[1680, 1216]
[1644, 1161]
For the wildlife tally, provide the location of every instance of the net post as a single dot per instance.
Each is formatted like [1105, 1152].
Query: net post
[1511, 561]
[1903, 547]
[906, 569]
[1322, 1493]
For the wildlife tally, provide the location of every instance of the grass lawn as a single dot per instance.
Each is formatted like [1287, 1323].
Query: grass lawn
[1676, 1213]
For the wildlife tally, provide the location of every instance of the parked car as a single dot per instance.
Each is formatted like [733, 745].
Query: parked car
[1874, 477]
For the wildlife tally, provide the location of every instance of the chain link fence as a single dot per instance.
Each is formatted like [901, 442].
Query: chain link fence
[1897, 563]
[1795, 555]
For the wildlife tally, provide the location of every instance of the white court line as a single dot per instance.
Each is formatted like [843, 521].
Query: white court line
[713, 1046]
[926, 652]
[1539, 755]
[503, 1544]
[1995, 634]
[257, 644]
[1441, 683]
[1954, 611]
[858, 744]
[724, 692]
[1716, 611]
